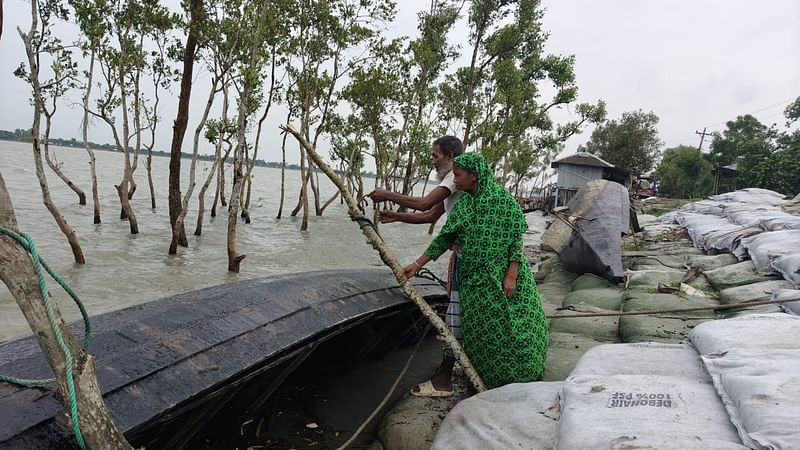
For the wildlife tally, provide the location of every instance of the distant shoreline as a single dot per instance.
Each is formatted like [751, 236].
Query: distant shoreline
[74, 143]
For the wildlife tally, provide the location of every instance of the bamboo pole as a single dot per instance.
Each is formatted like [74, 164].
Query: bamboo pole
[389, 259]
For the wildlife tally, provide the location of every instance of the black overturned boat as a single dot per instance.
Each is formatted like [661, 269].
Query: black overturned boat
[170, 367]
[587, 235]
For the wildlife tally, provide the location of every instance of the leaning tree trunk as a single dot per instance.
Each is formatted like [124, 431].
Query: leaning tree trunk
[19, 276]
[201, 197]
[181, 120]
[38, 106]
[389, 259]
[57, 169]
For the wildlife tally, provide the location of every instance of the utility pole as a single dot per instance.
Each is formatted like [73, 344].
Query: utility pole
[703, 135]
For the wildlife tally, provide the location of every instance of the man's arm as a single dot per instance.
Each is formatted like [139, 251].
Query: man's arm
[429, 216]
[434, 197]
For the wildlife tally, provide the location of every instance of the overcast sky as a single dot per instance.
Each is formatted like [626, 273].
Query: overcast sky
[695, 63]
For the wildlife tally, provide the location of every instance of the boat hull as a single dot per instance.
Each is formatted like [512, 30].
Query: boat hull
[588, 238]
[169, 367]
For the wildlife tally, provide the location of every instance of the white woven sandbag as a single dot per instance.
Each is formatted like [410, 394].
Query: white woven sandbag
[760, 389]
[788, 294]
[518, 416]
[777, 331]
[789, 267]
[765, 247]
[643, 411]
[645, 358]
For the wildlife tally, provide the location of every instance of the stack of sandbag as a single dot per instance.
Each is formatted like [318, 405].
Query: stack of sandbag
[570, 338]
[755, 224]
[754, 363]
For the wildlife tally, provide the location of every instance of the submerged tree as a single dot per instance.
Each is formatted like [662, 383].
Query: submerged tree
[321, 32]
[196, 16]
[121, 29]
[91, 25]
[40, 42]
[64, 73]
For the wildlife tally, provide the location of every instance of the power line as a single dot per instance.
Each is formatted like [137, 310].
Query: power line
[702, 134]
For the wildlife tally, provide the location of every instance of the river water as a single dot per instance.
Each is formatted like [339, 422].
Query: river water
[123, 269]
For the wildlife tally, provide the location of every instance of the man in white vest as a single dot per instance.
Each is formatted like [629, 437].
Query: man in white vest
[430, 208]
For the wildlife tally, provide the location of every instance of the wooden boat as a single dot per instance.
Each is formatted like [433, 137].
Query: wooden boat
[588, 234]
[170, 367]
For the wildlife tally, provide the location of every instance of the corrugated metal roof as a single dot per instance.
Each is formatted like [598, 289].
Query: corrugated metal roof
[582, 159]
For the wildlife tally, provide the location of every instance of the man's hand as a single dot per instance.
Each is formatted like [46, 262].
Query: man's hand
[387, 216]
[379, 195]
[510, 284]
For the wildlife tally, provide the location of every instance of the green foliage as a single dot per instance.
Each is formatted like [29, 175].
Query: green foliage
[766, 157]
[684, 173]
[630, 143]
[749, 144]
[498, 102]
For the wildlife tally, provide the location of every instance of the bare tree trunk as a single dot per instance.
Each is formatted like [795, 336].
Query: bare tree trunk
[283, 169]
[122, 187]
[480, 29]
[137, 125]
[38, 107]
[173, 246]
[304, 191]
[303, 179]
[181, 121]
[246, 209]
[221, 179]
[201, 197]
[314, 187]
[216, 199]
[85, 131]
[55, 167]
[410, 164]
[17, 272]
[388, 258]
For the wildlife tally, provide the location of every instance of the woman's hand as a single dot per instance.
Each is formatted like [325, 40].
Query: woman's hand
[510, 284]
[510, 280]
[410, 270]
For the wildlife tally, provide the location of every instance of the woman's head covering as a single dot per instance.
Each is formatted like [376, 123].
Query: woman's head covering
[475, 163]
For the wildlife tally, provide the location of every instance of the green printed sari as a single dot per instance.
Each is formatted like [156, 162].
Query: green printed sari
[504, 337]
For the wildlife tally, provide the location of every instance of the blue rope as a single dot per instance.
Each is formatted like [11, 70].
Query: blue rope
[26, 241]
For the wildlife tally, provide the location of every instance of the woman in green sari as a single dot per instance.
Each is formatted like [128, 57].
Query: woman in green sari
[505, 330]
